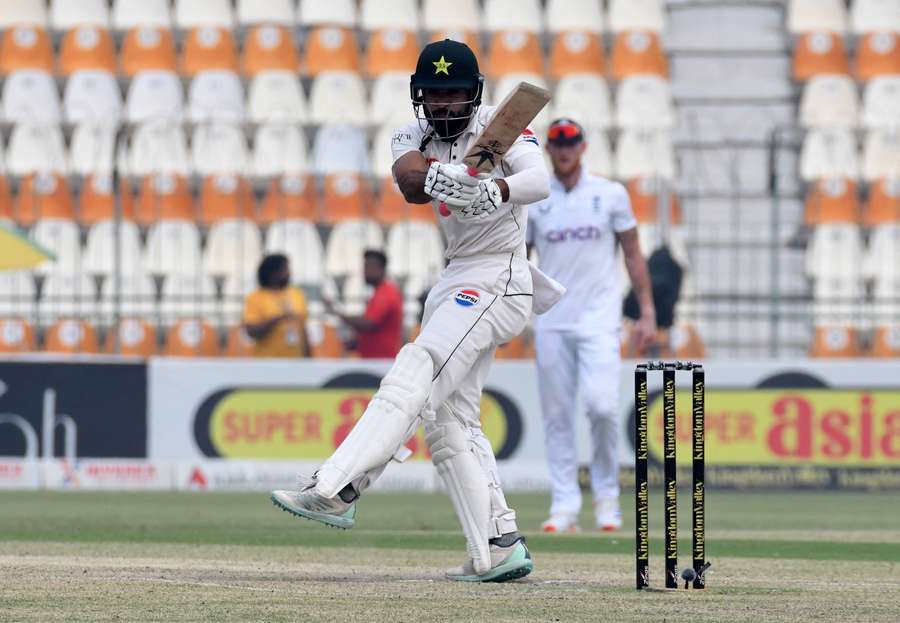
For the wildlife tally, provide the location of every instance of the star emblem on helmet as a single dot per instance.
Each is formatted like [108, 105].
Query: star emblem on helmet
[442, 66]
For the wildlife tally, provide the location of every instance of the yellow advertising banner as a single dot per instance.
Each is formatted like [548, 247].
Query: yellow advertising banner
[784, 427]
[301, 423]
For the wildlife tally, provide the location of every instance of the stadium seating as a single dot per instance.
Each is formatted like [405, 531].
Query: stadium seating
[16, 336]
[23, 13]
[878, 54]
[289, 197]
[269, 48]
[881, 155]
[627, 15]
[331, 13]
[819, 53]
[829, 153]
[100, 255]
[25, 47]
[127, 14]
[279, 149]
[17, 294]
[280, 12]
[881, 103]
[390, 14]
[148, 47]
[276, 96]
[569, 15]
[874, 15]
[524, 15]
[805, 16]
[71, 336]
[238, 343]
[829, 101]
[299, 241]
[439, 15]
[638, 52]
[191, 338]
[835, 341]
[577, 51]
[135, 298]
[832, 200]
[883, 205]
[216, 96]
[132, 337]
[203, 13]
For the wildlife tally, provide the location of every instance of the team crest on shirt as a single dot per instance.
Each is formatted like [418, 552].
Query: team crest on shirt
[467, 298]
[528, 136]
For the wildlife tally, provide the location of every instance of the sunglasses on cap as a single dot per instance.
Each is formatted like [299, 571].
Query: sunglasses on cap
[564, 132]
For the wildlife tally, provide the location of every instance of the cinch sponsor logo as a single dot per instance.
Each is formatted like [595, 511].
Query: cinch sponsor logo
[467, 298]
[586, 232]
[309, 423]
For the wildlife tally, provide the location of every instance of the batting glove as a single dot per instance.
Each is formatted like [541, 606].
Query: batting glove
[488, 200]
[451, 184]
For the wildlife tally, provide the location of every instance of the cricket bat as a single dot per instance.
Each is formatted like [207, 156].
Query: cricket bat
[511, 118]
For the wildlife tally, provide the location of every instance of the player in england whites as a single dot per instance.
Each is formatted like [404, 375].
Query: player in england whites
[484, 297]
[577, 232]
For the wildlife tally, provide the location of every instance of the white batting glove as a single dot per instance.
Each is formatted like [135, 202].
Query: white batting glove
[451, 184]
[488, 200]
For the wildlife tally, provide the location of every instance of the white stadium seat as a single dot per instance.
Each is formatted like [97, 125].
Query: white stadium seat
[574, 15]
[584, 98]
[338, 97]
[390, 100]
[67, 295]
[382, 157]
[233, 247]
[637, 15]
[136, 297]
[644, 101]
[30, 96]
[92, 96]
[252, 12]
[154, 95]
[835, 251]
[218, 148]
[513, 15]
[439, 15]
[331, 13]
[36, 148]
[881, 103]
[158, 147]
[829, 101]
[345, 246]
[829, 153]
[279, 149]
[129, 14]
[300, 242]
[173, 247]
[23, 13]
[339, 149]
[881, 155]
[100, 253]
[816, 15]
[216, 96]
[234, 291]
[62, 238]
[187, 296]
[875, 16]
[415, 251]
[199, 13]
[598, 155]
[17, 294]
[401, 14]
[645, 153]
[276, 96]
[91, 149]
[66, 14]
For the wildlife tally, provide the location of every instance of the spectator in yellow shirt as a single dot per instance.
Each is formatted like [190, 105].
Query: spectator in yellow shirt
[275, 314]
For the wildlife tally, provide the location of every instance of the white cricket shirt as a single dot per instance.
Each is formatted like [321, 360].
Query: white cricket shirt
[500, 232]
[575, 236]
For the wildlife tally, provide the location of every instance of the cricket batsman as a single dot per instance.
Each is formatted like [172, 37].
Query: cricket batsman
[484, 297]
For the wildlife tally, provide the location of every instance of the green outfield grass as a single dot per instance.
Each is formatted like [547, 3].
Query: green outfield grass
[216, 556]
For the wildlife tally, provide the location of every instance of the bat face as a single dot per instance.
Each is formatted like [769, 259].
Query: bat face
[510, 119]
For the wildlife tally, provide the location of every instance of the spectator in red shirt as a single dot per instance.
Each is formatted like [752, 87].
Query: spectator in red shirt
[379, 331]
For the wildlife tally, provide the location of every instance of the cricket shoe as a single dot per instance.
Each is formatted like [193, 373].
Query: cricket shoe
[508, 562]
[561, 523]
[308, 504]
[608, 514]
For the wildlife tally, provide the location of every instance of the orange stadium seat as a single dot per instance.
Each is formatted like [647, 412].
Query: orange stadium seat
[25, 47]
[135, 337]
[16, 336]
[164, 197]
[191, 338]
[148, 49]
[638, 52]
[391, 207]
[87, 48]
[883, 205]
[97, 201]
[392, 50]
[269, 48]
[820, 53]
[577, 52]
[239, 344]
[835, 341]
[226, 196]
[886, 342]
[43, 195]
[645, 201]
[6, 203]
[325, 342]
[832, 201]
[346, 197]
[207, 49]
[515, 52]
[71, 336]
[685, 342]
[330, 49]
[469, 37]
[877, 54]
[289, 197]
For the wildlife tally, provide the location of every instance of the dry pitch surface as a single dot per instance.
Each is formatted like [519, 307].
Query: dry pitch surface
[231, 557]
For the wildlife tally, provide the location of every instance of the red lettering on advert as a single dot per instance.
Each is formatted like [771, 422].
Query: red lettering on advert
[791, 436]
[835, 427]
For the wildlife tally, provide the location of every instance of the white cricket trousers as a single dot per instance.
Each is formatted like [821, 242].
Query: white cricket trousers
[586, 362]
[479, 302]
